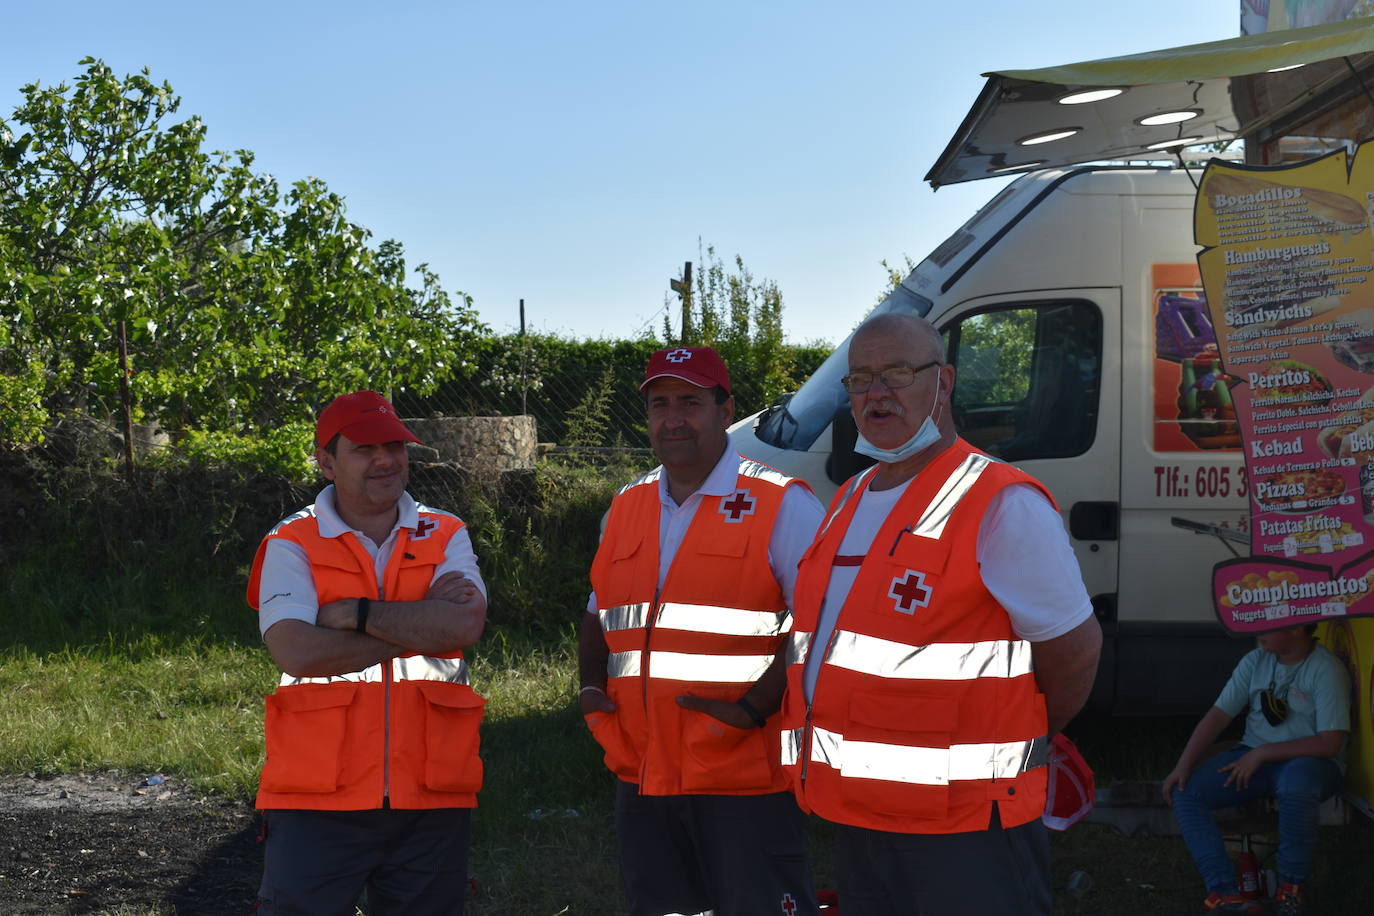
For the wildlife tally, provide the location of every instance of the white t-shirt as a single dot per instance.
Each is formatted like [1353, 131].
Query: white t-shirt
[799, 516]
[1024, 558]
[287, 587]
[1317, 690]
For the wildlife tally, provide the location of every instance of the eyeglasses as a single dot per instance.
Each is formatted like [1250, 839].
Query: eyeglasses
[892, 377]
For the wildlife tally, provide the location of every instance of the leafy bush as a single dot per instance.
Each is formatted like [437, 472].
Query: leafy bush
[241, 305]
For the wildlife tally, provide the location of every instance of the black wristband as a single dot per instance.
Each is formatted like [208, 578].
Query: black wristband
[364, 605]
[759, 720]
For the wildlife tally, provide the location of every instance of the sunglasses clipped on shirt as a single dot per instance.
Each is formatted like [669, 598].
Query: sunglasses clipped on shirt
[1273, 705]
[892, 377]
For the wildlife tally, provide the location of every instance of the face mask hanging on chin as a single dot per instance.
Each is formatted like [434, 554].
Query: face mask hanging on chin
[926, 436]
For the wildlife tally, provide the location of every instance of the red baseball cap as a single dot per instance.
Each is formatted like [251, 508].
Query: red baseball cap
[365, 417]
[1072, 788]
[700, 366]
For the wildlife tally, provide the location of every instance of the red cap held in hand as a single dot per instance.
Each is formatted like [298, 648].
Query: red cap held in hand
[365, 417]
[701, 366]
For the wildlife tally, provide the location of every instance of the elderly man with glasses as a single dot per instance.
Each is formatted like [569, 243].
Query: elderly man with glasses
[942, 635]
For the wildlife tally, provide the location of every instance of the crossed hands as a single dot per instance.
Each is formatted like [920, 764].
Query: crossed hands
[343, 614]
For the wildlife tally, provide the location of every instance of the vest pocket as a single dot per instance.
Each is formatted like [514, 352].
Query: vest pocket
[452, 716]
[719, 757]
[305, 728]
[621, 757]
[895, 754]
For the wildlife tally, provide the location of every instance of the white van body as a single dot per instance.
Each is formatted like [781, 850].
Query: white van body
[1068, 261]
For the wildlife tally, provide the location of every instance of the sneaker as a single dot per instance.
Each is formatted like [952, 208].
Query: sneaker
[1230, 903]
[1290, 900]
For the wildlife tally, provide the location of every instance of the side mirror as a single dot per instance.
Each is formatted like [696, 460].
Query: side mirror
[844, 462]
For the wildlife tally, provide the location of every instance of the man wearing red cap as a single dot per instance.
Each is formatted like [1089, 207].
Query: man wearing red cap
[680, 659]
[366, 600]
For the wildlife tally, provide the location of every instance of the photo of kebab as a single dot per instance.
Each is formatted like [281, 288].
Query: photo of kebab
[1352, 432]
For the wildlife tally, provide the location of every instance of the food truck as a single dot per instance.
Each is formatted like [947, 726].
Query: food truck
[1185, 358]
[1073, 313]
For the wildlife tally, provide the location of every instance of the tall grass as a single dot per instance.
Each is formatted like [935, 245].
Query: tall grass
[126, 642]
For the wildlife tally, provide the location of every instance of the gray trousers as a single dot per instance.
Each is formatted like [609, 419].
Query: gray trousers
[993, 872]
[412, 863]
[738, 855]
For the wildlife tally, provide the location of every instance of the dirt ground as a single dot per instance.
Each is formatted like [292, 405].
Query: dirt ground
[110, 842]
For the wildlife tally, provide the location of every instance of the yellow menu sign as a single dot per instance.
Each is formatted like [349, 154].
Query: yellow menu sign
[1287, 261]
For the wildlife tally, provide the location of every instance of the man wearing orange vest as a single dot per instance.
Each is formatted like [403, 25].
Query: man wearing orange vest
[942, 634]
[366, 600]
[681, 660]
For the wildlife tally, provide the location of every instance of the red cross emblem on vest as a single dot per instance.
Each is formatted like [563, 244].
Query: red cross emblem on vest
[910, 591]
[678, 356]
[423, 529]
[737, 506]
[789, 906]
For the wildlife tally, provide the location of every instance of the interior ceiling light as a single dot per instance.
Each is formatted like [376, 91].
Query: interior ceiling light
[1181, 141]
[1168, 117]
[1017, 167]
[1091, 95]
[1049, 136]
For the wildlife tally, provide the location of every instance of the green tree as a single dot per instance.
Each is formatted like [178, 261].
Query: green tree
[741, 317]
[244, 306]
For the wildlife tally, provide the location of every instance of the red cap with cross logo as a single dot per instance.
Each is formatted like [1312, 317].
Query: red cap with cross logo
[365, 417]
[701, 366]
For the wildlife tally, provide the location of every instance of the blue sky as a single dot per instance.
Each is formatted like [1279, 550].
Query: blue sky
[571, 154]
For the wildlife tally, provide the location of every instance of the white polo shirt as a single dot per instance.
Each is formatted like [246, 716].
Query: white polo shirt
[798, 518]
[287, 587]
[1024, 559]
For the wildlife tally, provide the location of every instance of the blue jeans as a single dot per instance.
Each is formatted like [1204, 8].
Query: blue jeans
[1300, 785]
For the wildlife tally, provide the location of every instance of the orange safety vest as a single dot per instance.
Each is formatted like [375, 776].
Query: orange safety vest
[403, 730]
[712, 631]
[925, 710]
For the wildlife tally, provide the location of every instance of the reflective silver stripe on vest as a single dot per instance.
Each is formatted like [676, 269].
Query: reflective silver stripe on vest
[716, 669]
[623, 664]
[682, 666]
[415, 668]
[855, 486]
[926, 766]
[953, 661]
[426, 668]
[651, 477]
[372, 674]
[750, 468]
[697, 618]
[797, 644]
[725, 621]
[791, 745]
[624, 617]
[932, 523]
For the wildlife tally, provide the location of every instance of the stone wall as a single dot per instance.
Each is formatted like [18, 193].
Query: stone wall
[485, 446]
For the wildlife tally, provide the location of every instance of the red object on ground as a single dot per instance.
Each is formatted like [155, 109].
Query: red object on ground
[1248, 868]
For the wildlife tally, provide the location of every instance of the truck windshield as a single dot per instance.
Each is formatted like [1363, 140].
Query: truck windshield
[797, 420]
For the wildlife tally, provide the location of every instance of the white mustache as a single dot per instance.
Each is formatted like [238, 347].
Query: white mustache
[891, 407]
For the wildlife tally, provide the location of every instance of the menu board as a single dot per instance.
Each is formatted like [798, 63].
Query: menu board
[1286, 267]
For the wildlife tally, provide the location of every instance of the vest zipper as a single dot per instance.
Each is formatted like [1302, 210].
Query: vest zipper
[386, 718]
[644, 657]
[807, 734]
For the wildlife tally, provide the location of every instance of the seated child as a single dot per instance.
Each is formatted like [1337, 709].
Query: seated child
[1297, 701]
